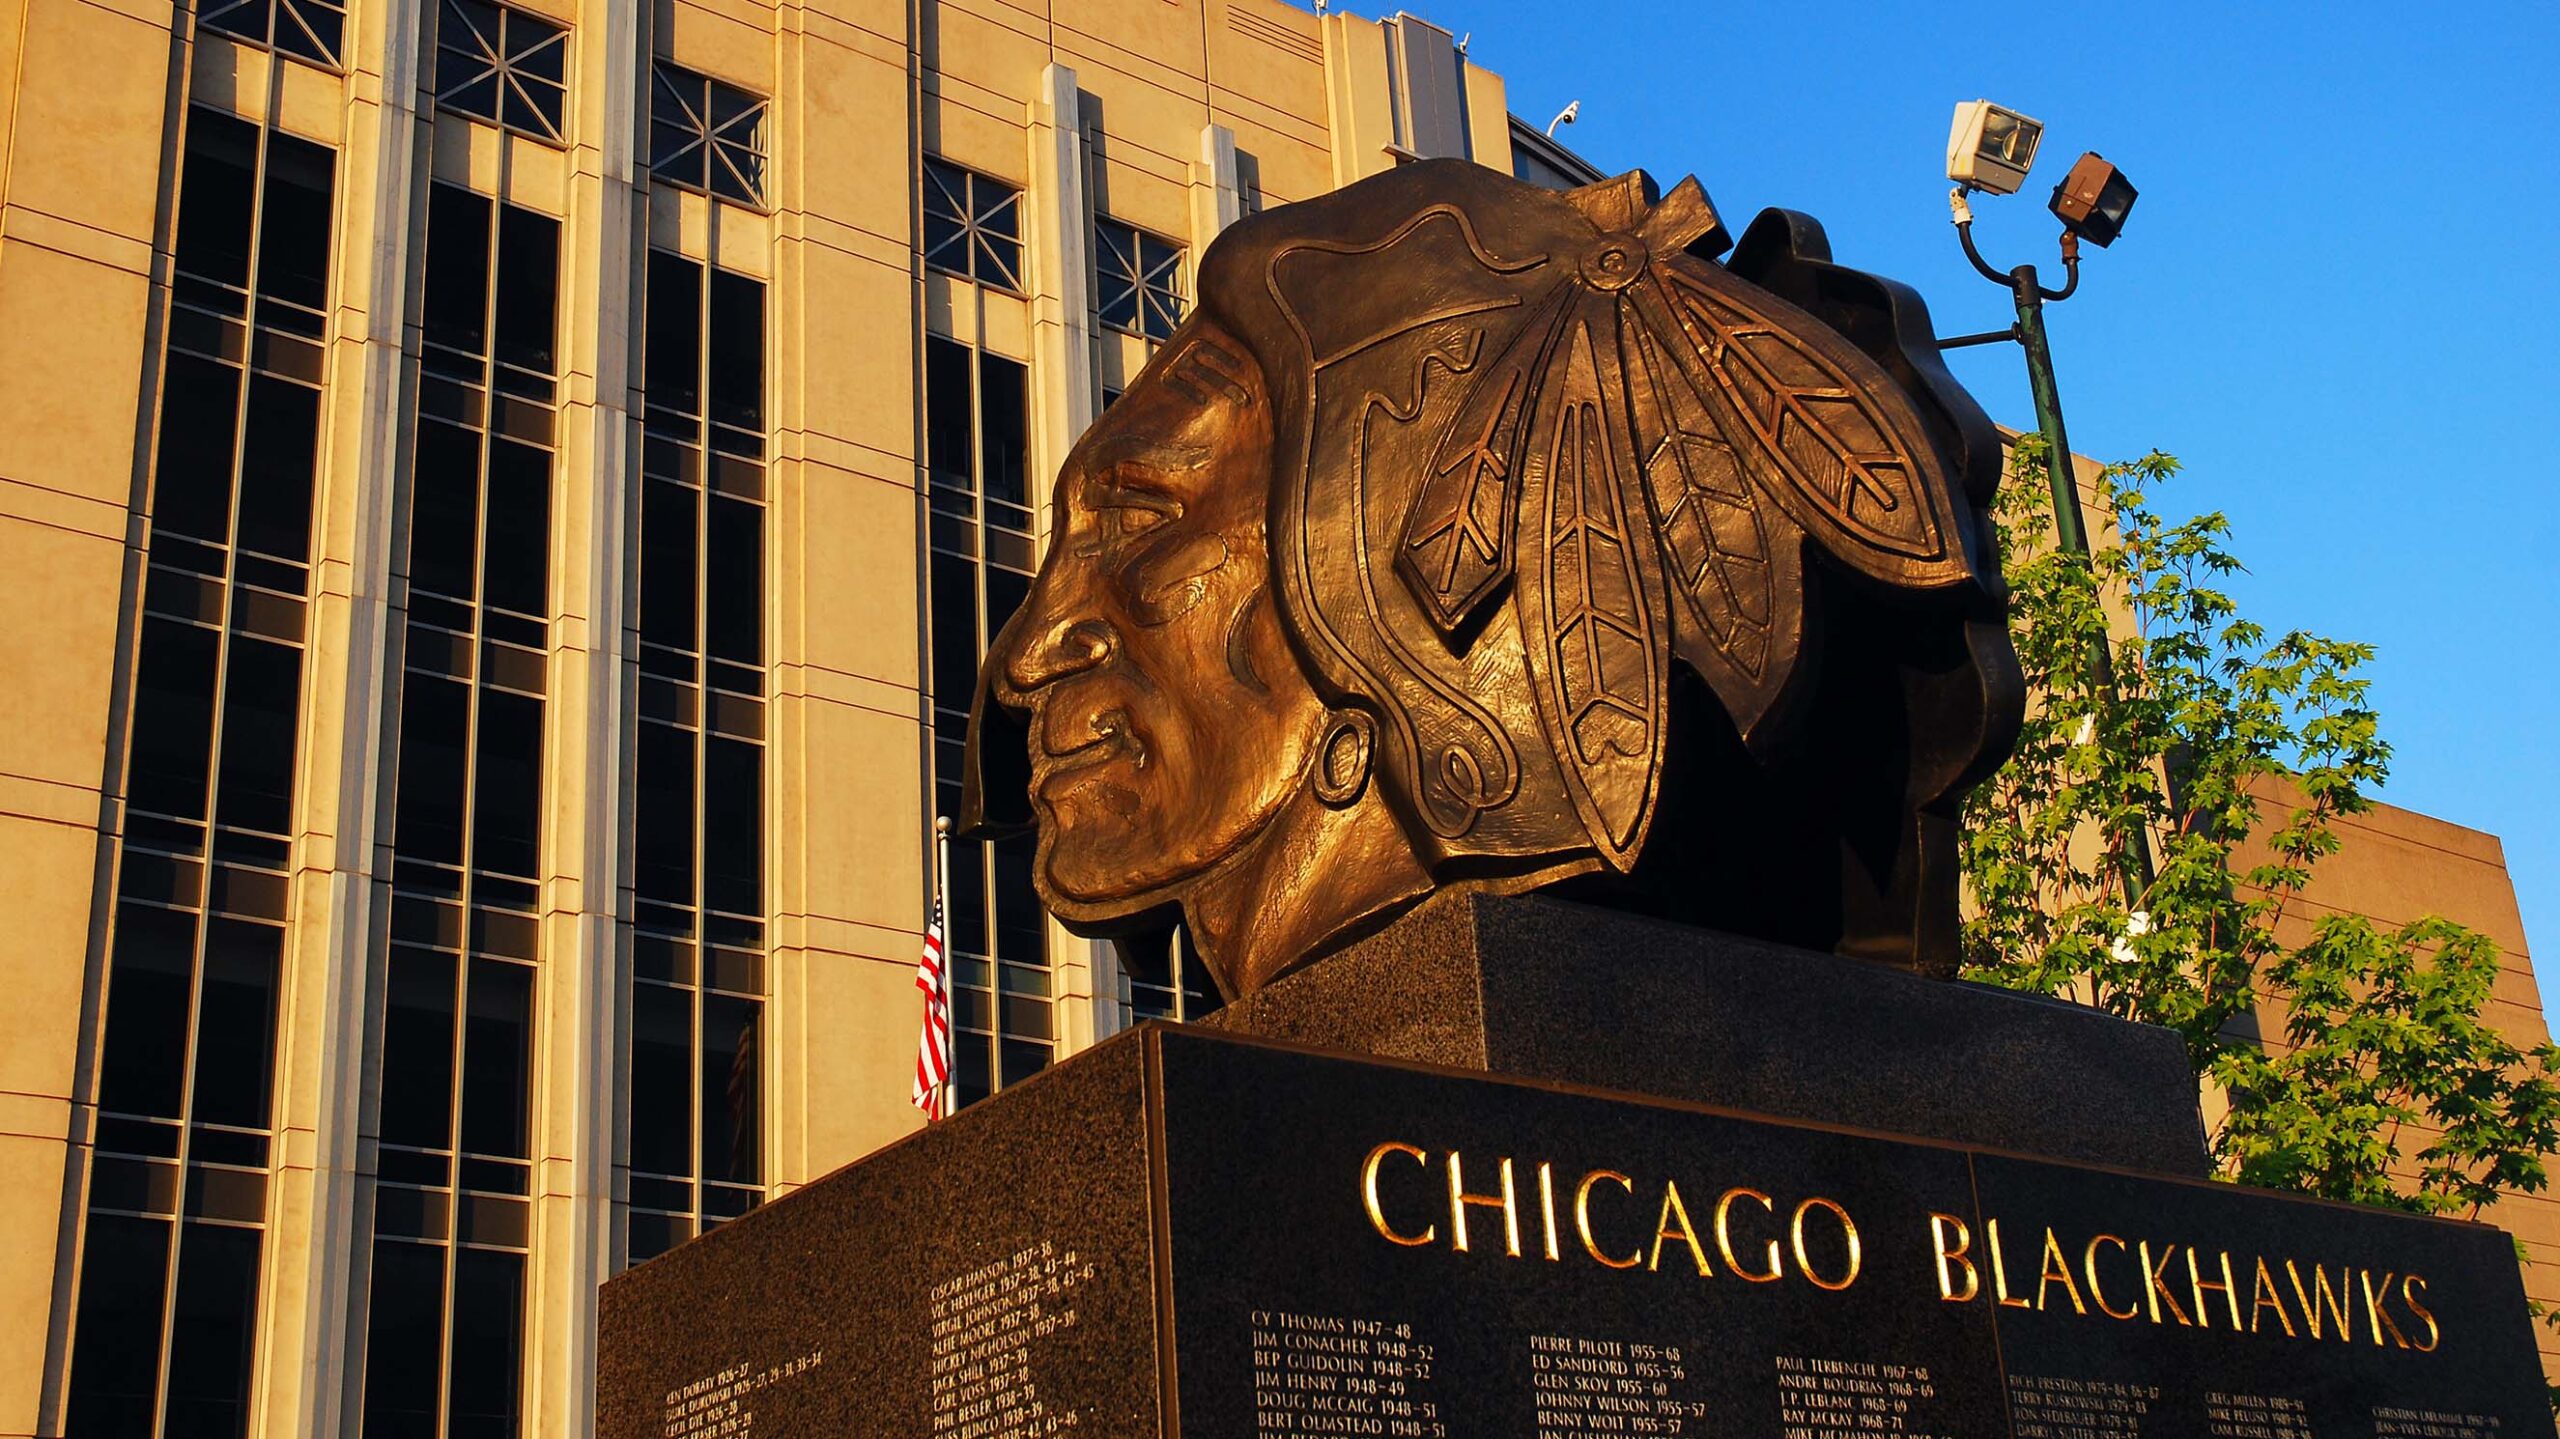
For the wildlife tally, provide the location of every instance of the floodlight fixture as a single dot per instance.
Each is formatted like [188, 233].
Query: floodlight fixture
[2092, 201]
[1991, 147]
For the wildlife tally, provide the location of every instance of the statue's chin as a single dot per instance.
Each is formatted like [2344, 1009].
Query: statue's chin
[1102, 895]
[1102, 876]
[1268, 900]
[1105, 918]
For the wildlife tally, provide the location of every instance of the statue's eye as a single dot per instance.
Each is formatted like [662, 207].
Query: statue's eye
[1129, 502]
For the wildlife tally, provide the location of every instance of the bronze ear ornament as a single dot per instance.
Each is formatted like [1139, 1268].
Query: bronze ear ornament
[1342, 757]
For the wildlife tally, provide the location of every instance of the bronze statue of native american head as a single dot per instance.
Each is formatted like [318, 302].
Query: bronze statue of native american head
[1473, 535]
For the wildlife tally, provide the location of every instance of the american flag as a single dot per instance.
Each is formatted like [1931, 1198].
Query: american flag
[933, 1042]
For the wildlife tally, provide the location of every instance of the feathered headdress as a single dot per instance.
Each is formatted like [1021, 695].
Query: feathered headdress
[1532, 446]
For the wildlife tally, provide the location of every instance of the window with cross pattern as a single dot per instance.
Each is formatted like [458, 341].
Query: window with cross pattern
[504, 66]
[706, 135]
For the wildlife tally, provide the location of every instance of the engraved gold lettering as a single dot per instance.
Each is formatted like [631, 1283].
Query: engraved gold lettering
[2057, 1267]
[1804, 1264]
[2197, 1285]
[1955, 1255]
[2089, 1268]
[1506, 1201]
[1999, 1266]
[2378, 1318]
[2409, 1288]
[2160, 1291]
[1369, 1194]
[1662, 1230]
[1582, 1217]
[2263, 1296]
[1724, 1236]
[1547, 1206]
[2320, 1294]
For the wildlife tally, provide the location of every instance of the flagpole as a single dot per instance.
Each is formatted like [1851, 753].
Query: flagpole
[942, 897]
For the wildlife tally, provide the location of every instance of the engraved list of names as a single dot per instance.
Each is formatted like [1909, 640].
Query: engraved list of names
[1610, 1386]
[1336, 1374]
[985, 1324]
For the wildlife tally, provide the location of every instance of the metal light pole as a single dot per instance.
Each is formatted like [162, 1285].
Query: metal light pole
[2070, 526]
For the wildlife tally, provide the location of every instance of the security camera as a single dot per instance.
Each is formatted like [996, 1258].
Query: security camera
[2092, 201]
[1991, 147]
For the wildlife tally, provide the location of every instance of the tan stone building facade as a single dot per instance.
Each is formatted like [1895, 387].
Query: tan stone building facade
[2393, 866]
[442, 441]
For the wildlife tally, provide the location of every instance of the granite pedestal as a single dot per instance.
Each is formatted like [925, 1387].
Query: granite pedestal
[1542, 989]
[1190, 1232]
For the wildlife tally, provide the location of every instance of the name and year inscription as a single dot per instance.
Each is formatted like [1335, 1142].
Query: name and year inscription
[988, 1324]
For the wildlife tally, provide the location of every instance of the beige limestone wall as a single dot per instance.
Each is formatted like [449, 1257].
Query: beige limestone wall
[2394, 866]
[846, 747]
[81, 139]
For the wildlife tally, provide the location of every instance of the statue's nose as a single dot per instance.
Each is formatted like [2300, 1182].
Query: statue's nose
[1053, 651]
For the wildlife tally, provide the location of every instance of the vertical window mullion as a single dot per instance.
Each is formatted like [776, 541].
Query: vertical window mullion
[702, 716]
[186, 1166]
[468, 887]
[475, 639]
[449, 1245]
[984, 898]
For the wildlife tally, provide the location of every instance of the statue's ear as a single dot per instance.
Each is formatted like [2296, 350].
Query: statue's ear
[995, 769]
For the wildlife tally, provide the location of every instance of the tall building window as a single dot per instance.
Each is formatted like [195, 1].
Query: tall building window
[706, 136]
[166, 1311]
[977, 413]
[1139, 279]
[972, 226]
[698, 939]
[1162, 977]
[444, 1333]
[312, 29]
[503, 65]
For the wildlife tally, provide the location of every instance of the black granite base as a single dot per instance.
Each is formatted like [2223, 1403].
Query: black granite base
[1182, 1234]
[1548, 990]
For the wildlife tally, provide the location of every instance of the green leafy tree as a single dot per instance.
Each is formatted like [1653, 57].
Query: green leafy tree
[2339, 1046]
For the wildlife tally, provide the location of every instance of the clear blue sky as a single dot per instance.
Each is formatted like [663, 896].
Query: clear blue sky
[2335, 300]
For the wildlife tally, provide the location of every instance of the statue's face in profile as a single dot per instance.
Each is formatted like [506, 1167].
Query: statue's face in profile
[1169, 719]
